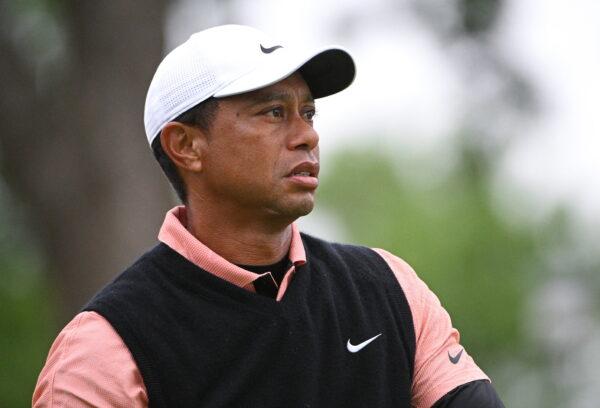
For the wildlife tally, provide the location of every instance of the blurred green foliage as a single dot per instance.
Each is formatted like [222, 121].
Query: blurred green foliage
[480, 267]
[27, 323]
[478, 15]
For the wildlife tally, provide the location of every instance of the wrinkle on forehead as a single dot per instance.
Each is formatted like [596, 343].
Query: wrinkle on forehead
[289, 89]
[269, 95]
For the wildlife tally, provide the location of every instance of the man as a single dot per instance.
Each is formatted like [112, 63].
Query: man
[234, 307]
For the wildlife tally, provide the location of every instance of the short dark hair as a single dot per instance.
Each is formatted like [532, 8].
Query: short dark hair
[202, 115]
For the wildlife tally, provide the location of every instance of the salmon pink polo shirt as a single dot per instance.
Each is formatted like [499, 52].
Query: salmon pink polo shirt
[89, 365]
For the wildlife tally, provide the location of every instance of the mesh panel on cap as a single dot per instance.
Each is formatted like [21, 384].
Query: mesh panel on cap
[188, 86]
[182, 81]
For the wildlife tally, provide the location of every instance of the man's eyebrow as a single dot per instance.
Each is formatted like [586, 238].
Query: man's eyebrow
[263, 97]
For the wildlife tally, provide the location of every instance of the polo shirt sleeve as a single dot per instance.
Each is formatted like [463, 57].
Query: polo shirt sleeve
[441, 363]
[89, 366]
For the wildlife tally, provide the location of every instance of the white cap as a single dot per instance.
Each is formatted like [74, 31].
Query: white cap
[233, 59]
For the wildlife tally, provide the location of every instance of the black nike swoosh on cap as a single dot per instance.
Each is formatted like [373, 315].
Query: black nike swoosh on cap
[270, 49]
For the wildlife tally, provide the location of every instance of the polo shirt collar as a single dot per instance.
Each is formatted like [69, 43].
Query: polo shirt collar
[174, 234]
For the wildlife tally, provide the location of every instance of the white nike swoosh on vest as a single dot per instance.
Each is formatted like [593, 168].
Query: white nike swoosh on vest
[354, 349]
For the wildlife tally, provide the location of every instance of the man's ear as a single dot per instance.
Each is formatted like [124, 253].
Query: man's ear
[184, 145]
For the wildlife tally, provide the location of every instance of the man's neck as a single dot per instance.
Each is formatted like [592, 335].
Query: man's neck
[240, 241]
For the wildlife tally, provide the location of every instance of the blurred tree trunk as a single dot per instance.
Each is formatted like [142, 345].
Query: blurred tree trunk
[74, 151]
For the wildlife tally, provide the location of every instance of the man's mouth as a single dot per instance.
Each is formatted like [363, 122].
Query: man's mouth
[305, 175]
[305, 169]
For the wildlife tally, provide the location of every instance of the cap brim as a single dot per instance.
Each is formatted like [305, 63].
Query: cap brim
[326, 71]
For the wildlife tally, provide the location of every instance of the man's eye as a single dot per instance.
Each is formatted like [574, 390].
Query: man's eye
[276, 112]
[310, 114]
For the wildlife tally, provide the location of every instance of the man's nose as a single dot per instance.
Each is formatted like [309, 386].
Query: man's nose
[303, 135]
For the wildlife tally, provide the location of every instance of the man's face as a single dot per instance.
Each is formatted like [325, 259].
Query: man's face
[262, 153]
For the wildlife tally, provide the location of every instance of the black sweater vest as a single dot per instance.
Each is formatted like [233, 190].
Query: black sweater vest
[200, 341]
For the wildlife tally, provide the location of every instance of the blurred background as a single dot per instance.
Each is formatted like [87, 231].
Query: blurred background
[468, 145]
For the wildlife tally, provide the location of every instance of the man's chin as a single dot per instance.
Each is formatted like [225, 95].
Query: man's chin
[293, 211]
[305, 206]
